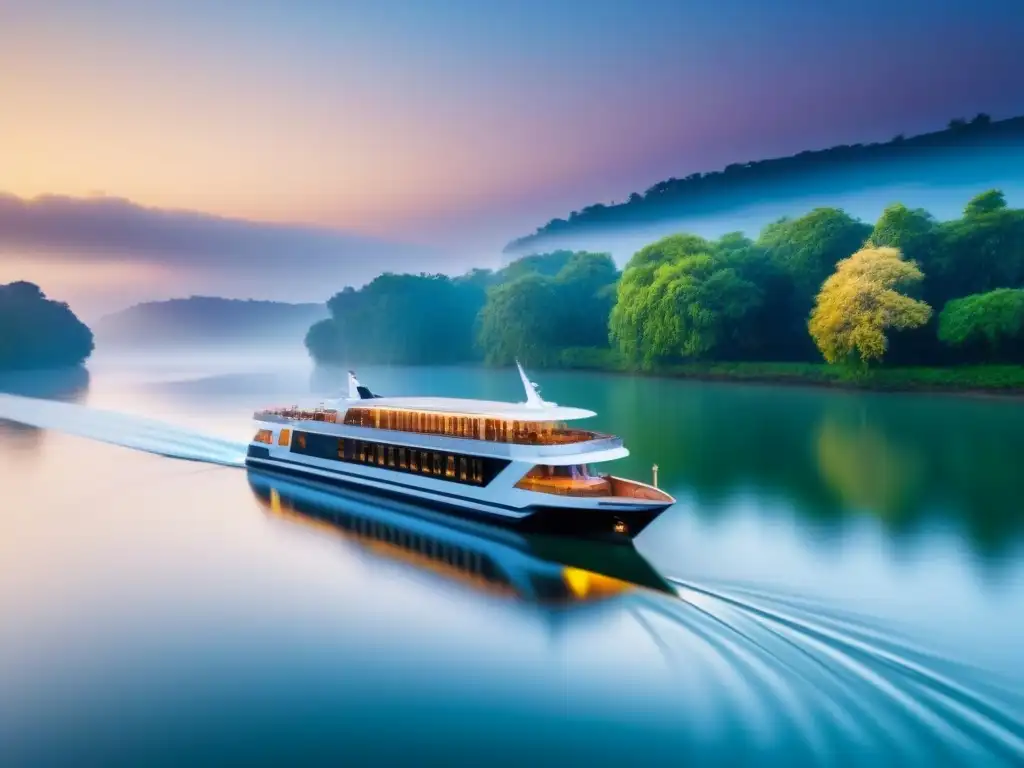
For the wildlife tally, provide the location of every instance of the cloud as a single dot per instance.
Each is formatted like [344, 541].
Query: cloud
[119, 228]
[175, 251]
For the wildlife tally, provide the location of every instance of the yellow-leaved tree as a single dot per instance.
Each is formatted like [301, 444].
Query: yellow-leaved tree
[861, 301]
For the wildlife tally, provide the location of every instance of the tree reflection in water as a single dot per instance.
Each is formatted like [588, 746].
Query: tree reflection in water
[911, 461]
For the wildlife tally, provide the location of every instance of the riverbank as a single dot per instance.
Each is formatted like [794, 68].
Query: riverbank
[968, 379]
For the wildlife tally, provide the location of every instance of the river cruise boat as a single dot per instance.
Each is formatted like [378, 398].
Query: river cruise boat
[512, 463]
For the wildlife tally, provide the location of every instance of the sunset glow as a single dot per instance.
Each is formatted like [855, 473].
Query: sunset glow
[462, 125]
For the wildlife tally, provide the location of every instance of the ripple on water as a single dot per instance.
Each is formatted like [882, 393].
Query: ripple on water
[126, 430]
[850, 690]
[794, 676]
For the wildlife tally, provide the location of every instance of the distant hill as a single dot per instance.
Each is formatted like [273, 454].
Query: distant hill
[37, 332]
[205, 321]
[966, 153]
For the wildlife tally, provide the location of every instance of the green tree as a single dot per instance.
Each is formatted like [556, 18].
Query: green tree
[679, 297]
[861, 301]
[326, 345]
[915, 233]
[585, 289]
[981, 251]
[804, 250]
[401, 319]
[36, 332]
[912, 231]
[993, 320]
[989, 201]
[809, 247]
[549, 264]
[517, 322]
[537, 315]
[670, 248]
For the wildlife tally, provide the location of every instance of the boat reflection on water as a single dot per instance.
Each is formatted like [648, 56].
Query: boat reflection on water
[530, 567]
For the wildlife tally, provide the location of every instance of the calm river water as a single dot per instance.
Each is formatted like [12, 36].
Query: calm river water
[841, 582]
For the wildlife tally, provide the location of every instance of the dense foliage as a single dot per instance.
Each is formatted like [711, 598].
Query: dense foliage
[991, 323]
[861, 301]
[822, 284]
[685, 297]
[410, 319]
[532, 309]
[536, 316]
[36, 332]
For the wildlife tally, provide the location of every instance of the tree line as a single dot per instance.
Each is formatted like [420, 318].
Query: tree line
[908, 290]
[36, 332]
[693, 193]
[533, 309]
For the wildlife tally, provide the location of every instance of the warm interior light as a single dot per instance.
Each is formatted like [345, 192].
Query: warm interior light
[587, 585]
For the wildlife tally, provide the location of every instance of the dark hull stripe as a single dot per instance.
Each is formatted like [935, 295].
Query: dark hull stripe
[396, 484]
[563, 521]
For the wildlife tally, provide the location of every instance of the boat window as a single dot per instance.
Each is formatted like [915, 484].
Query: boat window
[452, 467]
[285, 437]
[264, 436]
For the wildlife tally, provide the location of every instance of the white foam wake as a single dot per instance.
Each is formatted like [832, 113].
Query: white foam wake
[126, 430]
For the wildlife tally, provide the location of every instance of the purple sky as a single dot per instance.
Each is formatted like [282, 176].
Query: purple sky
[449, 126]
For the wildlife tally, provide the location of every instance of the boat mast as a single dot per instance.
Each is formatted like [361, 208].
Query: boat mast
[533, 398]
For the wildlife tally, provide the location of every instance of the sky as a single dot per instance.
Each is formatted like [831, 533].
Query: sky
[285, 148]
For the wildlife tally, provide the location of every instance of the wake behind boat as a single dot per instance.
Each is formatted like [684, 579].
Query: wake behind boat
[514, 463]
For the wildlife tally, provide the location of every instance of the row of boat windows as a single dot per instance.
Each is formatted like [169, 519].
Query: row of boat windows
[471, 427]
[472, 470]
[267, 436]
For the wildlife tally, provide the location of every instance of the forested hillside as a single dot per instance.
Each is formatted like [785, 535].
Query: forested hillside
[906, 290]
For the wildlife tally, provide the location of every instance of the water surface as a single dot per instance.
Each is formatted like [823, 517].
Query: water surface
[840, 582]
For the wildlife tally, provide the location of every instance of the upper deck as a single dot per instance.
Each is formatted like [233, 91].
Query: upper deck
[468, 419]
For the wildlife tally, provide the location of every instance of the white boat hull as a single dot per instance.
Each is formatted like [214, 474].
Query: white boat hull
[499, 500]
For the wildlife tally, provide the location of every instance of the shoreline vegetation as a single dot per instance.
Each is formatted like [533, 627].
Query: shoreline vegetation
[38, 333]
[909, 303]
[991, 379]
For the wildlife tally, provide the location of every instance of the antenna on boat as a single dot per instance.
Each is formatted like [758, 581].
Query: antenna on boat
[357, 391]
[533, 398]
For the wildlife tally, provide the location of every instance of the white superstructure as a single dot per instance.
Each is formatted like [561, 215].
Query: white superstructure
[512, 462]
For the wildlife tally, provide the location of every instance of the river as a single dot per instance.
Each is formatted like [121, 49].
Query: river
[841, 582]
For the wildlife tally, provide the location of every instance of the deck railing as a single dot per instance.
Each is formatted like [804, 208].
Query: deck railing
[565, 489]
[300, 414]
[611, 487]
[557, 436]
